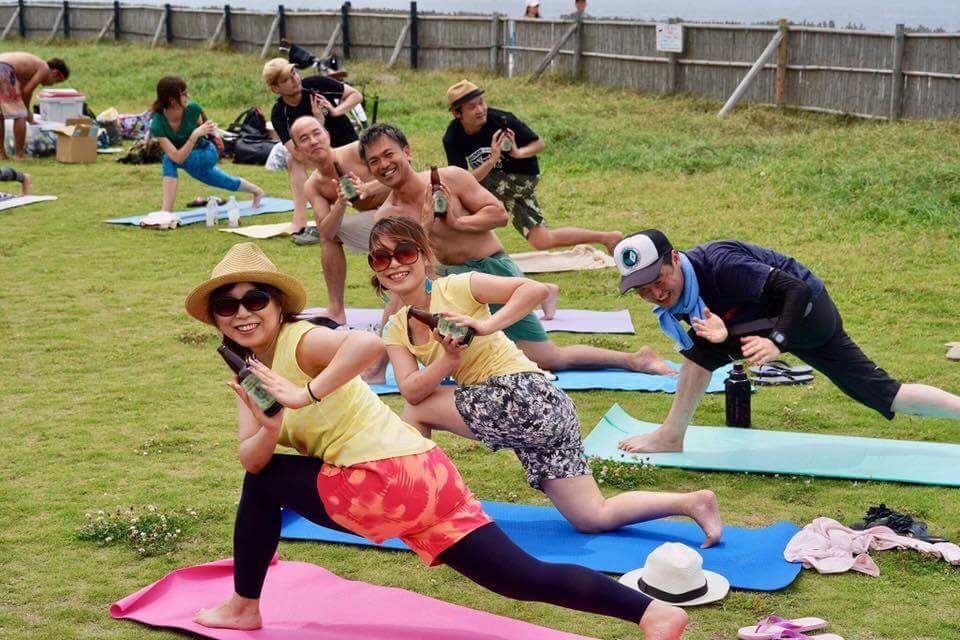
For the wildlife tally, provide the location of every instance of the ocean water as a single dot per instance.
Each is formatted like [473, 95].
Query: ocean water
[876, 15]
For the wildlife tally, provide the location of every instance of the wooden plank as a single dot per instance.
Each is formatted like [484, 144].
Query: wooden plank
[896, 89]
[56, 26]
[13, 18]
[332, 40]
[781, 86]
[212, 42]
[553, 52]
[158, 30]
[578, 47]
[270, 35]
[104, 30]
[399, 45]
[751, 75]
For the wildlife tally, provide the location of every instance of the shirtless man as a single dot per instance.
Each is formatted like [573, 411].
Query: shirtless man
[20, 74]
[464, 241]
[329, 204]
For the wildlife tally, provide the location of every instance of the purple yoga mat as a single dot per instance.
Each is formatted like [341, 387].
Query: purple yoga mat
[302, 601]
[570, 320]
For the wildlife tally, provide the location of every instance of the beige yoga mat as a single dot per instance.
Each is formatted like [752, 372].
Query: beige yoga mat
[264, 231]
[582, 257]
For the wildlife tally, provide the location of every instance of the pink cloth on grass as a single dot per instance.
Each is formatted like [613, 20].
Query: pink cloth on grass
[305, 602]
[829, 547]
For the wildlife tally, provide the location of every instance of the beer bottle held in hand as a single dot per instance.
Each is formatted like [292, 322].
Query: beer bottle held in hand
[439, 200]
[444, 326]
[346, 185]
[506, 146]
[249, 381]
[737, 391]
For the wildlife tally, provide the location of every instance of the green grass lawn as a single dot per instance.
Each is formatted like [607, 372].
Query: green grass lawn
[113, 396]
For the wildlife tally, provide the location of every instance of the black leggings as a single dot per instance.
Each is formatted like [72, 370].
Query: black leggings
[486, 555]
[9, 174]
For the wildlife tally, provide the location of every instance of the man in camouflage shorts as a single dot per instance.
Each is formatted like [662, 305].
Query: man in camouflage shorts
[501, 152]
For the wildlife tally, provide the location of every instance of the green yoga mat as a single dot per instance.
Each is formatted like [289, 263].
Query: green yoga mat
[807, 454]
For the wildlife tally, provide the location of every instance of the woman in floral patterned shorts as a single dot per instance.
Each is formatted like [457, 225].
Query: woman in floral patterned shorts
[501, 399]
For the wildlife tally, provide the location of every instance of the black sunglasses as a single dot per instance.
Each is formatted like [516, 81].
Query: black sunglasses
[404, 252]
[253, 300]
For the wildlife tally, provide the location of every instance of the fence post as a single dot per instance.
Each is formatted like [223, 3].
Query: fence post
[896, 80]
[553, 53]
[168, 22]
[414, 38]
[103, 30]
[227, 25]
[578, 47]
[345, 28]
[66, 19]
[156, 32]
[398, 46]
[673, 67]
[781, 84]
[751, 74]
[116, 20]
[22, 14]
[282, 26]
[494, 42]
[13, 18]
[270, 34]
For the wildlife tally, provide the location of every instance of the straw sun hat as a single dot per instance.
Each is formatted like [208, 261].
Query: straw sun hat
[245, 262]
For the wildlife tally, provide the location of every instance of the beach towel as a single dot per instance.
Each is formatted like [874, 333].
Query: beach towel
[582, 257]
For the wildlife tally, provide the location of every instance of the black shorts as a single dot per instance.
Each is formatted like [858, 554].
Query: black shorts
[821, 342]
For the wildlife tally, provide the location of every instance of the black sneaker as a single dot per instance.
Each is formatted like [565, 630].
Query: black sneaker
[901, 523]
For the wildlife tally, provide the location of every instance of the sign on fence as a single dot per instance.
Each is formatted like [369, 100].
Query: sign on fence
[670, 37]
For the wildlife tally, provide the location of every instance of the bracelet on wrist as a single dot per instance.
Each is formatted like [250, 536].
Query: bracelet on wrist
[314, 398]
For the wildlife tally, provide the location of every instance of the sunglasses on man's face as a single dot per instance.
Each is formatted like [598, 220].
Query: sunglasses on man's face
[253, 300]
[405, 253]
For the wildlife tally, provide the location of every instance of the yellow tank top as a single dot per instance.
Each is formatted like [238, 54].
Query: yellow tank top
[348, 426]
[487, 356]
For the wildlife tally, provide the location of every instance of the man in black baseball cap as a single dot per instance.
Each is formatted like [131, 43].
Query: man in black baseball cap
[745, 301]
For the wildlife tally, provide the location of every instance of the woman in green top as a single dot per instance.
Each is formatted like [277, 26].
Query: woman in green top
[181, 128]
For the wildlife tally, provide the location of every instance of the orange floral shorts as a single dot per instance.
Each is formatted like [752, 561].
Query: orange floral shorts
[419, 498]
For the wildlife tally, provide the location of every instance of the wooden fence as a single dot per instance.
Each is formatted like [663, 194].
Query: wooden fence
[864, 73]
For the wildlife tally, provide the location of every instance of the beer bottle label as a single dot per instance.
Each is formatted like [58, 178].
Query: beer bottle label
[505, 145]
[448, 327]
[348, 189]
[251, 384]
[439, 202]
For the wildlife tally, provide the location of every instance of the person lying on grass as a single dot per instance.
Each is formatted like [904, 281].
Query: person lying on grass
[746, 301]
[501, 398]
[181, 129]
[464, 241]
[329, 203]
[361, 468]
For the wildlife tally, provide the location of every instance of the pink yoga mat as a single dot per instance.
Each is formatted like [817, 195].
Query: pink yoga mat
[302, 601]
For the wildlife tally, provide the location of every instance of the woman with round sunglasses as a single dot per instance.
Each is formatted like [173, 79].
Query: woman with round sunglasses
[501, 399]
[181, 128]
[361, 468]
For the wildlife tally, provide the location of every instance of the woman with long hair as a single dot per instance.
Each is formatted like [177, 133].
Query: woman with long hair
[361, 468]
[182, 130]
[501, 399]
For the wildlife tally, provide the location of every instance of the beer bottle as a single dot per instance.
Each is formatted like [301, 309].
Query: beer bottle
[345, 183]
[443, 326]
[506, 146]
[439, 200]
[249, 381]
[737, 392]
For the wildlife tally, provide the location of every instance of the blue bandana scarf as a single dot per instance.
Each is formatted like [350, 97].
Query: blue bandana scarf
[690, 303]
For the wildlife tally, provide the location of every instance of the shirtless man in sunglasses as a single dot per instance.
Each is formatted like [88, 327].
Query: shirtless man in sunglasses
[329, 204]
[464, 241]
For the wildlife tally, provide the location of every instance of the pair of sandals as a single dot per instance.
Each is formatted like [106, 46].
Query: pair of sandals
[902, 524]
[775, 628]
[781, 372]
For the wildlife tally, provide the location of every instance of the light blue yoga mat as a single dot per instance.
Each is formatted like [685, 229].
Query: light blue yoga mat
[615, 379]
[748, 558]
[787, 452]
[199, 214]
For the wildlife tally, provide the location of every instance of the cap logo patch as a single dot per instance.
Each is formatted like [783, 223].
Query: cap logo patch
[629, 257]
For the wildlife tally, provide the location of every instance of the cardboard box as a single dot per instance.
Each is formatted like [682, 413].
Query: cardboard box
[77, 141]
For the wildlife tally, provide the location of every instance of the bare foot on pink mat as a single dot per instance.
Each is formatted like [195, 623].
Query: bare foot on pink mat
[235, 613]
[663, 622]
[657, 441]
[703, 508]
[549, 305]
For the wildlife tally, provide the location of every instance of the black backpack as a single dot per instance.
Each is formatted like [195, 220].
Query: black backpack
[253, 145]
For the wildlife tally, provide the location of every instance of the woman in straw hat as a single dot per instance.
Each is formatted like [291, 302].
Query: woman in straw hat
[502, 398]
[361, 468]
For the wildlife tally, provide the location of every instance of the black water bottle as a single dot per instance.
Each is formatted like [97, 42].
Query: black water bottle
[737, 391]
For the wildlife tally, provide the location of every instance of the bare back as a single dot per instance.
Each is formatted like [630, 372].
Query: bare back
[24, 64]
[324, 181]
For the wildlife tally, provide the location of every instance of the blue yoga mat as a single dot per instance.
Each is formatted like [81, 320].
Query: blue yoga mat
[199, 214]
[580, 380]
[762, 451]
[748, 558]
